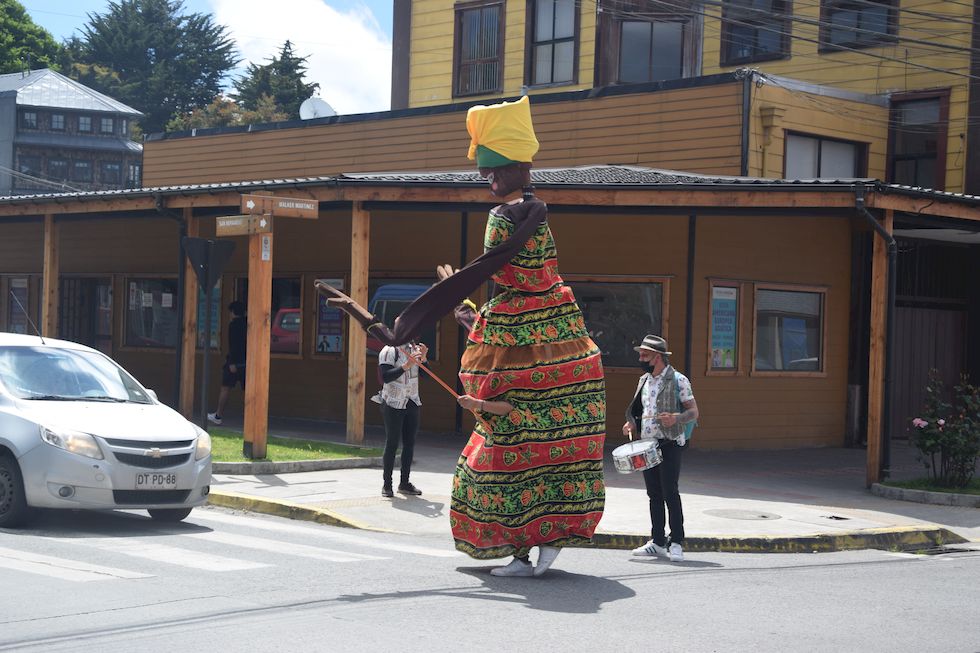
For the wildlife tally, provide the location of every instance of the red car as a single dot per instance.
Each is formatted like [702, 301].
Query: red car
[286, 328]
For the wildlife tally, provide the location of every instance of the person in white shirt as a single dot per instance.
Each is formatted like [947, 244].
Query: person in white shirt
[400, 402]
[662, 405]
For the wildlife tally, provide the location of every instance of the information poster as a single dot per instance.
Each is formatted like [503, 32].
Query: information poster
[724, 328]
[329, 323]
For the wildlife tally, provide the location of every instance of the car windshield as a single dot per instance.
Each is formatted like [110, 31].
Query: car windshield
[49, 373]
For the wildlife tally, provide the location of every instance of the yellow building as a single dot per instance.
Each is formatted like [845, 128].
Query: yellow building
[912, 54]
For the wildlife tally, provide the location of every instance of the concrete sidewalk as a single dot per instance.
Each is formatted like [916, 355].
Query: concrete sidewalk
[774, 501]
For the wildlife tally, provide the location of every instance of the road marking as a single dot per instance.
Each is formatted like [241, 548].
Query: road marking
[141, 547]
[284, 526]
[282, 548]
[72, 570]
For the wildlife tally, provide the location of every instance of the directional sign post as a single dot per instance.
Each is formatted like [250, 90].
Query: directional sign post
[281, 207]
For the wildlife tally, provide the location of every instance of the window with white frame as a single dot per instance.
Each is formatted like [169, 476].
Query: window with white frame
[58, 122]
[815, 157]
[553, 42]
[85, 124]
[105, 126]
[789, 329]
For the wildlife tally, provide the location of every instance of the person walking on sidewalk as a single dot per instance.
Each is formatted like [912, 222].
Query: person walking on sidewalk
[400, 402]
[233, 371]
[663, 408]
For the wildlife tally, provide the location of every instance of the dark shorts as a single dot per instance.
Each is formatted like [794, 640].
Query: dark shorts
[229, 378]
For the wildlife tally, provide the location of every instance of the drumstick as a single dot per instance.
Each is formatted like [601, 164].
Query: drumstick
[448, 389]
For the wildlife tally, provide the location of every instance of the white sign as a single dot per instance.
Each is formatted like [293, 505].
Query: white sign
[147, 300]
[167, 300]
[266, 248]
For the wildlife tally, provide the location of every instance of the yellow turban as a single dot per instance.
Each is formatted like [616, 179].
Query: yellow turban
[501, 134]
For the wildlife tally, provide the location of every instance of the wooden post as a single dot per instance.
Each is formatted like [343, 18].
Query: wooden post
[49, 295]
[258, 339]
[876, 359]
[360, 245]
[188, 348]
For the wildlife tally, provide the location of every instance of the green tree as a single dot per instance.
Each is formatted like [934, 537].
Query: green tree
[225, 112]
[153, 57]
[24, 44]
[281, 79]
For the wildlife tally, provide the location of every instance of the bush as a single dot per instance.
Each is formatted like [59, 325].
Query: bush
[948, 435]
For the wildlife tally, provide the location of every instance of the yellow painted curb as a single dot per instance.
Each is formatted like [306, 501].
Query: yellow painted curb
[288, 509]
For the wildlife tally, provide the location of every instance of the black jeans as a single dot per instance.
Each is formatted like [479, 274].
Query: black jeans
[661, 482]
[400, 424]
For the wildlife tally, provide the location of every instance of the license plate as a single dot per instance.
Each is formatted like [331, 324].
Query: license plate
[156, 481]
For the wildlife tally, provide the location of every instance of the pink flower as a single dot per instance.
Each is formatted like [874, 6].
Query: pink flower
[941, 422]
[919, 423]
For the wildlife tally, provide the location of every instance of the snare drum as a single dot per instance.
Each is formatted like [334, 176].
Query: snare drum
[636, 456]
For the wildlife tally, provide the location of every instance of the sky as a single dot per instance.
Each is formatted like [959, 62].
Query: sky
[348, 41]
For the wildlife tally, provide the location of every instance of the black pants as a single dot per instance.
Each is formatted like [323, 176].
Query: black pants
[661, 482]
[400, 424]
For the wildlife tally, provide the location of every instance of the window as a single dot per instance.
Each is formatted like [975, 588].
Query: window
[789, 330]
[58, 122]
[133, 178]
[111, 172]
[287, 313]
[917, 143]
[754, 30]
[329, 323]
[58, 169]
[553, 32]
[813, 157]
[84, 123]
[723, 344]
[618, 314]
[105, 126]
[151, 313]
[478, 49]
[645, 41]
[387, 298]
[28, 120]
[82, 171]
[857, 23]
[18, 303]
[124, 126]
[29, 165]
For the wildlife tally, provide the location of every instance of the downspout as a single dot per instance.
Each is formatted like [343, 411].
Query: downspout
[182, 233]
[747, 78]
[886, 401]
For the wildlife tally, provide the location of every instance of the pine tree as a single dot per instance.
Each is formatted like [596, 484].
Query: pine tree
[281, 79]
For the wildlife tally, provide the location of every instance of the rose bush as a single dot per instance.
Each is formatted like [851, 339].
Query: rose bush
[947, 435]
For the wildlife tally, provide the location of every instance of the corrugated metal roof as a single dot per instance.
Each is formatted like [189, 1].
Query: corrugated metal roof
[48, 89]
[594, 176]
[112, 144]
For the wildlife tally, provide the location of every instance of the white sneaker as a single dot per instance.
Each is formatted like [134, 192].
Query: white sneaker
[676, 553]
[546, 556]
[214, 419]
[651, 548]
[515, 568]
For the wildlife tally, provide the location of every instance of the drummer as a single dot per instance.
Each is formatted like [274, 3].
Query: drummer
[662, 405]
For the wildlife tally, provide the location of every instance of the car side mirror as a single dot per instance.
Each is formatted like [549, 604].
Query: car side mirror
[153, 395]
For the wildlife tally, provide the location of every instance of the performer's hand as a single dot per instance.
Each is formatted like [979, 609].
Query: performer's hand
[627, 429]
[667, 419]
[445, 271]
[422, 352]
[469, 402]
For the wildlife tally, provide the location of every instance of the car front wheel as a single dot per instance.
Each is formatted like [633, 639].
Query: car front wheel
[169, 514]
[13, 504]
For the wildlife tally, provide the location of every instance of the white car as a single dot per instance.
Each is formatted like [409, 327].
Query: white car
[77, 431]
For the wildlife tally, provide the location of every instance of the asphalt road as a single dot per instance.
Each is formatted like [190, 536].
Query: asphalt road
[224, 581]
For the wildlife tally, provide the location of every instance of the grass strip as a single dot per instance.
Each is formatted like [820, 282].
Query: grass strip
[226, 447]
[929, 485]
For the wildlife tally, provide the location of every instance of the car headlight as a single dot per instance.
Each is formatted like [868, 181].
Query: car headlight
[74, 441]
[203, 447]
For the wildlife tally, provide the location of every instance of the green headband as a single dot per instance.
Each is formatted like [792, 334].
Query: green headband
[487, 158]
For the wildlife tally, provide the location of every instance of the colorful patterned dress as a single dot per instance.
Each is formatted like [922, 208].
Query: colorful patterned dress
[537, 479]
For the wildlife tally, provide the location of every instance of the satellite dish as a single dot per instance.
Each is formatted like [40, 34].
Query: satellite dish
[314, 107]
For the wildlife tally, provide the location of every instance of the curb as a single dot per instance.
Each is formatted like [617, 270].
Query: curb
[270, 467]
[288, 509]
[908, 538]
[925, 496]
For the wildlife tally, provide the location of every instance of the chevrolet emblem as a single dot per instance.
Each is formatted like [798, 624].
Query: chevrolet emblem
[155, 452]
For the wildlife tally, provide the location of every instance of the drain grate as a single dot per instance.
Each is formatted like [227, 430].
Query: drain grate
[941, 550]
[836, 517]
[742, 514]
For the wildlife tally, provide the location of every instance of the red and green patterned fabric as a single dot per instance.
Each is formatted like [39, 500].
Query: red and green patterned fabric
[537, 479]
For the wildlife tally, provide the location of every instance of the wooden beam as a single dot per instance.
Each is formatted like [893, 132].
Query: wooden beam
[257, 344]
[923, 205]
[360, 246]
[49, 294]
[188, 347]
[876, 358]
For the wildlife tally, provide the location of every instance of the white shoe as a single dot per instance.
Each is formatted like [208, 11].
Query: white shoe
[651, 548]
[546, 556]
[214, 419]
[515, 568]
[676, 553]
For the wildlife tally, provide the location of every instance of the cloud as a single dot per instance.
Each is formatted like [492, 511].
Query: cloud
[349, 55]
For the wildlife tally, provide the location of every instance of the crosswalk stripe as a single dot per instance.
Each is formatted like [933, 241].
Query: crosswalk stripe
[72, 570]
[139, 547]
[278, 547]
[284, 526]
